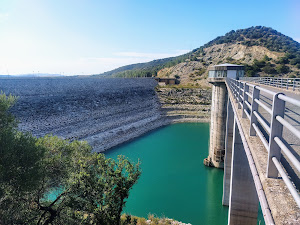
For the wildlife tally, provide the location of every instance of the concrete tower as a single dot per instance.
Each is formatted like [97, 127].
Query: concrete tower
[216, 76]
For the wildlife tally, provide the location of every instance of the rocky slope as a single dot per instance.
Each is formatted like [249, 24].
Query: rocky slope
[185, 104]
[105, 112]
[193, 72]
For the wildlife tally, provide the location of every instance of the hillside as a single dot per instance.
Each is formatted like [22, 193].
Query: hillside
[264, 51]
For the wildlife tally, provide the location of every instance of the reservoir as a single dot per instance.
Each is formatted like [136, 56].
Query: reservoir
[174, 182]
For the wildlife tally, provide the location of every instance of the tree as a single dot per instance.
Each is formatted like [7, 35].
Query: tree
[20, 167]
[282, 69]
[90, 189]
[93, 188]
[269, 70]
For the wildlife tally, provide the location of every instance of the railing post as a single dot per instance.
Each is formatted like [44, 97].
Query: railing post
[245, 96]
[293, 84]
[276, 131]
[254, 107]
[240, 85]
[281, 83]
[236, 91]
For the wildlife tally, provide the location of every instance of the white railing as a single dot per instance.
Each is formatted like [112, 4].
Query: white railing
[275, 142]
[286, 83]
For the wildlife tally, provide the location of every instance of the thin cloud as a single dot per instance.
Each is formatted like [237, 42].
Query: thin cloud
[150, 55]
[87, 65]
[125, 58]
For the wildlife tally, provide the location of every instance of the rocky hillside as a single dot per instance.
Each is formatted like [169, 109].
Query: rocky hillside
[194, 70]
[185, 104]
[264, 51]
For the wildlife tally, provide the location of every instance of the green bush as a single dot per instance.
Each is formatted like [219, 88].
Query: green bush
[282, 69]
[90, 188]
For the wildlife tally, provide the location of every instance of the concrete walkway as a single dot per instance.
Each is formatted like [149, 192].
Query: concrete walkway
[282, 205]
[292, 115]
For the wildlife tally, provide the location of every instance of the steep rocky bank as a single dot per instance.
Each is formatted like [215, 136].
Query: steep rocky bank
[185, 104]
[104, 112]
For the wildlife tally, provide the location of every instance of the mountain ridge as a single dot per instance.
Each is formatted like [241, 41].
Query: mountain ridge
[262, 50]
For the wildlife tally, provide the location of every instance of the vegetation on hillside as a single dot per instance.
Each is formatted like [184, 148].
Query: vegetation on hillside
[85, 187]
[260, 36]
[253, 36]
[149, 69]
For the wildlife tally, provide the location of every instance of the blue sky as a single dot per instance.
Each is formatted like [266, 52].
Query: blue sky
[93, 36]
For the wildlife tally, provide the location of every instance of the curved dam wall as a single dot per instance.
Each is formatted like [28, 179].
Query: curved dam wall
[104, 111]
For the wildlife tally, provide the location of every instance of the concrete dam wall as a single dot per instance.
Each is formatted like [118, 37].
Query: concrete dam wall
[105, 112]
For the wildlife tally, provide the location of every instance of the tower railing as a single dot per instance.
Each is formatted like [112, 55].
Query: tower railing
[248, 97]
[286, 83]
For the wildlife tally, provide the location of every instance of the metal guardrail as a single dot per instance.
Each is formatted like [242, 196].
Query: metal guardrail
[242, 92]
[287, 83]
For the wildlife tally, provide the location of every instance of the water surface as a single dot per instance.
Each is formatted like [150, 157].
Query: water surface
[174, 182]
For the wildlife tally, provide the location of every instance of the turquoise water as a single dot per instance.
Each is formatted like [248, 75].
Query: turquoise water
[174, 182]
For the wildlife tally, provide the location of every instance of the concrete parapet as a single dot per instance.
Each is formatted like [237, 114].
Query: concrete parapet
[243, 202]
[283, 207]
[228, 154]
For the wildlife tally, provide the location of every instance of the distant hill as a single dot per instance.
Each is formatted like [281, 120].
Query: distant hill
[263, 50]
[145, 69]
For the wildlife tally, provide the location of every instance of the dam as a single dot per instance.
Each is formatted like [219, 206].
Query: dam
[257, 143]
[89, 109]
[105, 112]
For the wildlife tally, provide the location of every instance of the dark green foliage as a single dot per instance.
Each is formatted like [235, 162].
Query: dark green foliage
[200, 71]
[149, 69]
[262, 36]
[295, 61]
[269, 69]
[261, 66]
[283, 69]
[283, 60]
[20, 167]
[266, 58]
[91, 189]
